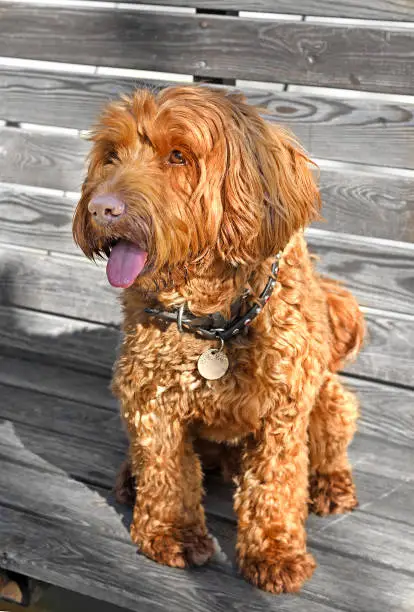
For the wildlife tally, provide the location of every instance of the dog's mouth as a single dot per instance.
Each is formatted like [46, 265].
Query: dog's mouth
[126, 262]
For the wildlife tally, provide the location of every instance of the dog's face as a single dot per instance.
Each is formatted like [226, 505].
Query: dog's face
[188, 177]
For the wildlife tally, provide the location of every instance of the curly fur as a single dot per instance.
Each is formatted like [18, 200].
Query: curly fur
[280, 417]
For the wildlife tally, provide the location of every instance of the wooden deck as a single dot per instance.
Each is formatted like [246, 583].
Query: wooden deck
[61, 440]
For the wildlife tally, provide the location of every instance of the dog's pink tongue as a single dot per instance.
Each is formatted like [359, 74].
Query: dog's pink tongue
[125, 262]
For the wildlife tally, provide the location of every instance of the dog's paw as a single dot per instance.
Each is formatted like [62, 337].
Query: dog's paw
[169, 549]
[283, 575]
[332, 493]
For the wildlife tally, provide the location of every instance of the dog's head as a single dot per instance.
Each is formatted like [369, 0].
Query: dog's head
[188, 177]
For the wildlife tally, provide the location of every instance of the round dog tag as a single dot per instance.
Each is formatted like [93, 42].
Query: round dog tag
[213, 364]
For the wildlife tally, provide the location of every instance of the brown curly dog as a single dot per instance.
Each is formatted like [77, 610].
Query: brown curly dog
[191, 195]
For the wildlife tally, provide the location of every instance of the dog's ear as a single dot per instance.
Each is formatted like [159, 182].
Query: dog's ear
[292, 198]
[269, 190]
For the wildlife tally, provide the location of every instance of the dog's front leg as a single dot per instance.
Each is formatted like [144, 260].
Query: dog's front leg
[168, 521]
[271, 502]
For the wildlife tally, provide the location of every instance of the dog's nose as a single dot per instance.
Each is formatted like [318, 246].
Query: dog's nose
[106, 208]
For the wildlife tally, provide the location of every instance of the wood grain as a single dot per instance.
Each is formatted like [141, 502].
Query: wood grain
[83, 515]
[76, 288]
[388, 353]
[70, 287]
[363, 58]
[112, 571]
[343, 129]
[40, 159]
[397, 10]
[386, 411]
[367, 203]
[37, 220]
[380, 276]
[52, 339]
[354, 202]
[57, 380]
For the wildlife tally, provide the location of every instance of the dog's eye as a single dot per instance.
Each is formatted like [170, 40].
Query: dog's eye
[112, 157]
[176, 158]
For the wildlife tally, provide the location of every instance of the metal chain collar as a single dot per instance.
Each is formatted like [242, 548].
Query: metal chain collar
[215, 326]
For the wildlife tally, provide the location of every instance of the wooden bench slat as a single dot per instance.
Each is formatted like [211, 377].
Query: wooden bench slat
[357, 539]
[354, 202]
[86, 421]
[372, 132]
[393, 10]
[364, 203]
[43, 553]
[380, 276]
[41, 159]
[57, 378]
[388, 354]
[357, 57]
[38, 220]
[65, 286]
[74, 287]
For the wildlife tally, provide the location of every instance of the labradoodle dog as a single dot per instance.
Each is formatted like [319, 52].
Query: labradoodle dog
[230, 335]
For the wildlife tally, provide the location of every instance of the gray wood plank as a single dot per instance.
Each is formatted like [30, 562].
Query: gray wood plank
[397, 10]
[55, 414]
[56, 380]
[367, 203]
[381, 276]
[70, 287]
[354, 202]
[388, 353]
[334, 576]
[52, 339]
[89, 562]
[386, 425]
[363, 58]
[40, 159]
[38, 220]
[387, 412]
[342, 129]
[75, 287]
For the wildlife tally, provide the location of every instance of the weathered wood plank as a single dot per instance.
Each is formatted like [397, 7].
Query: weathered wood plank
[55, 414]
[396, 10]
[42, 159]
[67, 557]
[71, 515]
[380, 276]
[67, 286]
[342, 129]
[52, 339]
[56, 380]
[388, 354]
[354, 202]
[387, 413]
[76, 288]
[367, 203]
[36, 220]
[61, 99]
[387, 421]
[297, 52]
